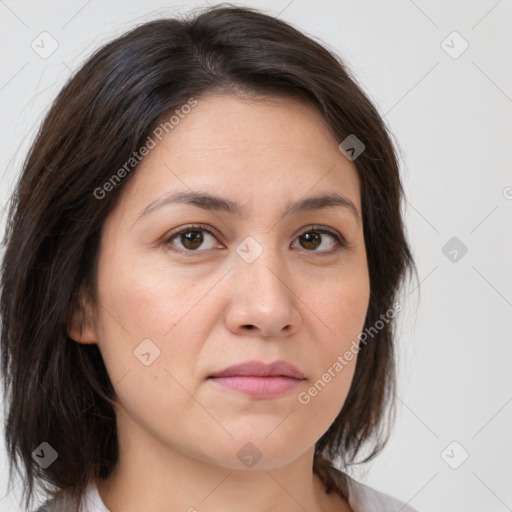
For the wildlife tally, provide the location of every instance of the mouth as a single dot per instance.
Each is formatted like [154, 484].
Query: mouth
[258, 387]
[259, 380]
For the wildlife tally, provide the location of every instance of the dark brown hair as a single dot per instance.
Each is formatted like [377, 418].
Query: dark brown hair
[58, 391]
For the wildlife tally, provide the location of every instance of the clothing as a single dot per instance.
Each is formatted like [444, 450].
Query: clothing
[361, 498]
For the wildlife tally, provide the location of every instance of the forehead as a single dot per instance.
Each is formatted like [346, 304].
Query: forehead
[238, 147]
[250, 125]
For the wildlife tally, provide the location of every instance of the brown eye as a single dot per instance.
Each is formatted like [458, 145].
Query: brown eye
[314, 238]
[310, 240]
[191, 239]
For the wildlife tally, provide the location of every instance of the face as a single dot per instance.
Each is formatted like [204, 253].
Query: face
[185, 291]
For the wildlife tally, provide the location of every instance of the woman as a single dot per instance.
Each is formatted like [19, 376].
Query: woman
[203, 256]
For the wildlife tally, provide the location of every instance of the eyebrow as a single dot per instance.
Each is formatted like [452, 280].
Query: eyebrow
[211, 202]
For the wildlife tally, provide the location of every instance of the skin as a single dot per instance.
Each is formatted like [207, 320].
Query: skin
[179, 434]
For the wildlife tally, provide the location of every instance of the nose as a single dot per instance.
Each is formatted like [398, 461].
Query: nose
[264, 300]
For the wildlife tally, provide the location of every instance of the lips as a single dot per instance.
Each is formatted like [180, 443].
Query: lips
[260, 369]
[259, 380]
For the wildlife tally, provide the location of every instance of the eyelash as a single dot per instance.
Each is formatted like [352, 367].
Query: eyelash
[340, 242]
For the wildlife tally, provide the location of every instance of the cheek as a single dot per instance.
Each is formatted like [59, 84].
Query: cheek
[337, 355]
[342, 304]
[146, 342]
[347, 310]
[149, 330]
[146, 299]
[325, 395]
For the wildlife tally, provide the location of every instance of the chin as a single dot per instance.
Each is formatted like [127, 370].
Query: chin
[255, 453]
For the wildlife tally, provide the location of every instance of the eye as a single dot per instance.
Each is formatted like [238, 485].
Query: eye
[314, 238]
[192, 238]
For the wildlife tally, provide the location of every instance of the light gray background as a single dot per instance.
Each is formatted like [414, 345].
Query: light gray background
[452, 118]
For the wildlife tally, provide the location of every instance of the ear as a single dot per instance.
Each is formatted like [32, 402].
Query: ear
[80, 326]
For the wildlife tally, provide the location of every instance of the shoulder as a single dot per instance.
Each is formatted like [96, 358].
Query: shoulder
[61, 503]
[48, 506]
[360, 497]
[42, 508]
[363, 498]
[64, 501]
